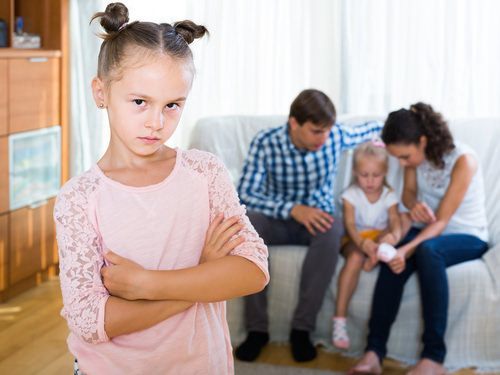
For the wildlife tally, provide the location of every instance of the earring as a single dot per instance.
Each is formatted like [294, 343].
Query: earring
[101, 105]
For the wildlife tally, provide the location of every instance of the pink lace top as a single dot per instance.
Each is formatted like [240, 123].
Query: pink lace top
[160, 226]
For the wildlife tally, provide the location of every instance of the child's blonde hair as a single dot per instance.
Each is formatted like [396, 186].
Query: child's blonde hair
[372, 149]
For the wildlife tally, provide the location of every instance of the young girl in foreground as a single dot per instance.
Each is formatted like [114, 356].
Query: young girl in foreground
[155, 216]
[370, 217]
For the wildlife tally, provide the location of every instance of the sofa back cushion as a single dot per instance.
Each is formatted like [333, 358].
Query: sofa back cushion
[229, 138]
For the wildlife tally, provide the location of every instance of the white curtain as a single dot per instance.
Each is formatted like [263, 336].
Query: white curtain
[368, 56]
[445, 52]
[259, 56]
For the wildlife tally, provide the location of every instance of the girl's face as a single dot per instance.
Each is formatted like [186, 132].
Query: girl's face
[370, 173]
[408, 155]
[145, 105]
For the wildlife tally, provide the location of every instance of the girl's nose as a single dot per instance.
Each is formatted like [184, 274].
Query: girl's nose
[156, 123]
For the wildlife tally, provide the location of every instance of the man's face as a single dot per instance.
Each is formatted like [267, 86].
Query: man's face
[309, 136]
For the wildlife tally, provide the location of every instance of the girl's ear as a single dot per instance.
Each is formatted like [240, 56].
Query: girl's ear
[98, 92]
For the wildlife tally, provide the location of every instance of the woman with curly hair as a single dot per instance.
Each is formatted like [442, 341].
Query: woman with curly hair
[443, 191]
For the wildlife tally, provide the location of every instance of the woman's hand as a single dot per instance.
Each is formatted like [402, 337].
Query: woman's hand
[123, 278]
[218, 241]
[398, 263]
[422, 213]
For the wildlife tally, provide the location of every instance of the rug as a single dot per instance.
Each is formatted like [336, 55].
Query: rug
[244, 368]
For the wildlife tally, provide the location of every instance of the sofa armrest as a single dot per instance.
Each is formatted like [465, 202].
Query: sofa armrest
[492, 261]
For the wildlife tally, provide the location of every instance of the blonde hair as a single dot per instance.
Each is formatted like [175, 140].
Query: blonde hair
[374, 150]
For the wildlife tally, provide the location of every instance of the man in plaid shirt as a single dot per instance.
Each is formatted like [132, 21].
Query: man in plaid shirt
[287, 186]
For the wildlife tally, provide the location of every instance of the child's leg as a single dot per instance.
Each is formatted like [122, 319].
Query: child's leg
[348, 280]
[348, 277]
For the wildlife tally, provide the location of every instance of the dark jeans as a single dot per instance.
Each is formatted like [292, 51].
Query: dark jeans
[317, 269]
[430, 261]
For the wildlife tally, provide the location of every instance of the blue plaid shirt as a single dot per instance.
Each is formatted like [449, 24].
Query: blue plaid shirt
[277, 176]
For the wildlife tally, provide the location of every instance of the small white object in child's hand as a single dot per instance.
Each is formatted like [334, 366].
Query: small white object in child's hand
[386, 252]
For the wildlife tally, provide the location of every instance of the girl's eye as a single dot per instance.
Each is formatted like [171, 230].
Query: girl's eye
[139, 102]
[172, 106]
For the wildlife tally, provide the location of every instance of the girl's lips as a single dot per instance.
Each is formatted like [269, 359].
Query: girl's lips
[149, 140]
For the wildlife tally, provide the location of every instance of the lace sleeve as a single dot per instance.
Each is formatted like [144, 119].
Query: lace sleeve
[223, 198]
[80, 261]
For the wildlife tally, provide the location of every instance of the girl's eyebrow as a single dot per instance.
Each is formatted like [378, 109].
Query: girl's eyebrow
[180, 99]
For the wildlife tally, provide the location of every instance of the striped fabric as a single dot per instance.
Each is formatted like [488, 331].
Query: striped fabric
[277, 176]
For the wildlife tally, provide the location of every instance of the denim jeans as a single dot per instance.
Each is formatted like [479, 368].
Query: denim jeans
[430, 260]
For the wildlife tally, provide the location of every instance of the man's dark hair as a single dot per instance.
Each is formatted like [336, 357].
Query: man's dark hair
[315, 106]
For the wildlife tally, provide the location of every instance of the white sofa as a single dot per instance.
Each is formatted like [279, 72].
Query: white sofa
[473, 334]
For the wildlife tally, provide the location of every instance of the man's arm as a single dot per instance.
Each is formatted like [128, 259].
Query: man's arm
[253, 187]
[351, 136]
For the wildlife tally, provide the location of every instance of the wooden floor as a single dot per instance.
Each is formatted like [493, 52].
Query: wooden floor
[33, 339]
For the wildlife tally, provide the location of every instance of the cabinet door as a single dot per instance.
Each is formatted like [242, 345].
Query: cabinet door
[3, 97]
[25, 240]
[4, 174]
[34, 93]
[4, 232]
[48, 245]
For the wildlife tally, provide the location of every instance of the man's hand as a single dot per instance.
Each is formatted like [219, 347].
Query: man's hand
[422, 213]
[123, 277]
[312, 218]
[218, 241]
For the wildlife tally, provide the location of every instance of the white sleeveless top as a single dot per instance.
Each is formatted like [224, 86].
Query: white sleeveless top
[470, 217]
[368, 215]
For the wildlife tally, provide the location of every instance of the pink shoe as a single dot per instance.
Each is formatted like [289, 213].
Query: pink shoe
[340, 338]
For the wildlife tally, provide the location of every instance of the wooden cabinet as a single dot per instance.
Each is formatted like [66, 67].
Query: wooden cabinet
[3, 97]
[4, 174]
[34, 93]
[4, 247]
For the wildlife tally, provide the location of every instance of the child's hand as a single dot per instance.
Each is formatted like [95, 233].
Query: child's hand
[398, 263]
[123, 278]
[388, 238]
[369, 247]
[218, 241]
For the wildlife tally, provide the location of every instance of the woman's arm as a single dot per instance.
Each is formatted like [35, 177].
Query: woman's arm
[410, 188]
[461, 177]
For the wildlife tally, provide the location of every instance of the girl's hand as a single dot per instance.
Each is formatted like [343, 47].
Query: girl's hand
[369, 247]
[123, 278]
[422, 213]
[398, 263]
[388, 238]
[218, 241]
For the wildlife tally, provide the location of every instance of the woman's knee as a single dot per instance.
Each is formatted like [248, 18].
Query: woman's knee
[428, 252]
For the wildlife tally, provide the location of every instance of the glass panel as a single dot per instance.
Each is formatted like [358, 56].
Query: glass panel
[35, 166]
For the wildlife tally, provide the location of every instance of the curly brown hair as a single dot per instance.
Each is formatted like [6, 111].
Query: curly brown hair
[408, 126]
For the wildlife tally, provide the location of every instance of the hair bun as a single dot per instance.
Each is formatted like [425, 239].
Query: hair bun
[423, 111]
[189, 31]
[115, 15]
